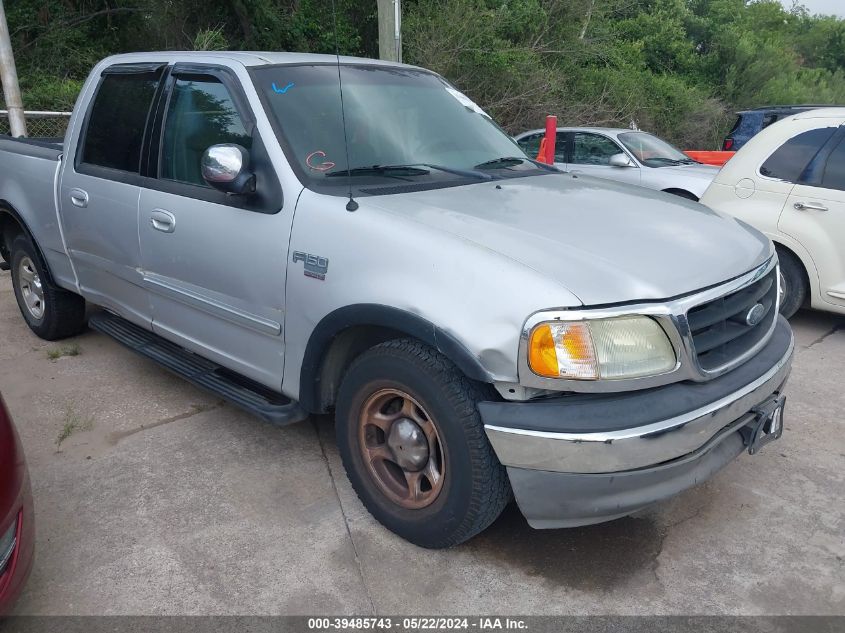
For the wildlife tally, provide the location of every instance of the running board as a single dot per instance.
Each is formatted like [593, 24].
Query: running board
[244, 393]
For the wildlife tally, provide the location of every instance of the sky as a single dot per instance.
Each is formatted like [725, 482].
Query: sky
[826, 7]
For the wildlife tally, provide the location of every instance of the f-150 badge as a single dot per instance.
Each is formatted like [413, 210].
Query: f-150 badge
[315, 266]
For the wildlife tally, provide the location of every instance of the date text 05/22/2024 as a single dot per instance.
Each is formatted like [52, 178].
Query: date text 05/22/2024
[483, 623]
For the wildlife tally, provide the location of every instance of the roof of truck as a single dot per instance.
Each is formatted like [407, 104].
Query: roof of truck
[247, 58]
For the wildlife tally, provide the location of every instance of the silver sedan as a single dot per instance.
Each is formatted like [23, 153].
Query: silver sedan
[625, 155]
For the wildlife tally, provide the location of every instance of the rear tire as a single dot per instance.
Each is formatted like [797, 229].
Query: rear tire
[49, 311]
[414, 448]
[794, 286]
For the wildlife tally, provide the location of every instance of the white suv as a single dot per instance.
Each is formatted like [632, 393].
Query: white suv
[789, 182]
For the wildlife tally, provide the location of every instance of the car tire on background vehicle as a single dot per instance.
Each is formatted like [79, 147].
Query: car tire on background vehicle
[793, 280]
[50, 312]
[414, 448]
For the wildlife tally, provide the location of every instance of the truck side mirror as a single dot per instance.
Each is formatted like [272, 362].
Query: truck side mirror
[226, 167]
[621, 160]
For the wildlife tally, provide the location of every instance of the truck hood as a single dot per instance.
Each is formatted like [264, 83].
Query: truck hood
[605, 242]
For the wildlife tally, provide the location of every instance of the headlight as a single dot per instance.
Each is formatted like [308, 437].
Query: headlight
[621, 347]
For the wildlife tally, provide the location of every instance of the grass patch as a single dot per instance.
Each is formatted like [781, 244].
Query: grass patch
[56, 353]
[73, 422]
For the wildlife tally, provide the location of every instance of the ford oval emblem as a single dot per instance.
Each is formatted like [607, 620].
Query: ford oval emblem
[755, 314]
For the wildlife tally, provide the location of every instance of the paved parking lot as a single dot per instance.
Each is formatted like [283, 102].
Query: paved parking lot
[163, 500]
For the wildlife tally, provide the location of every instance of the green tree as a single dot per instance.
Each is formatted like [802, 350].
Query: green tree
[675, 67]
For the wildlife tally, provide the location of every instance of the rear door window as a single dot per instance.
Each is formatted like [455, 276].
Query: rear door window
[561, 140]
[834, 171]
[531, 145]
[115, 130]
[791, 159]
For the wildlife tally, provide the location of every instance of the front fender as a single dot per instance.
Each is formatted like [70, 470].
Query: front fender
[384, 269]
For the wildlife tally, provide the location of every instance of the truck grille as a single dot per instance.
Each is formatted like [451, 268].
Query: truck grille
[721, 331]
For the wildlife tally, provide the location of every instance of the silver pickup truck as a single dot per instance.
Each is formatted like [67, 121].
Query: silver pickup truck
[482, 326]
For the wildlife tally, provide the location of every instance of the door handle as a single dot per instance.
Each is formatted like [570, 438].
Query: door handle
[163, 221]
[809, 206]
[79, 198]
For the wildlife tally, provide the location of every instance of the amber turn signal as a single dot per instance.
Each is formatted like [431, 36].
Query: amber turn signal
[562, 350]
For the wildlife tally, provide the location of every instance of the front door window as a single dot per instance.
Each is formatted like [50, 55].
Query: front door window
[592, 149]
[200, 114]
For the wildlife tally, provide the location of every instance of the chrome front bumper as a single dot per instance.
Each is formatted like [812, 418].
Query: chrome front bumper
[642, 446]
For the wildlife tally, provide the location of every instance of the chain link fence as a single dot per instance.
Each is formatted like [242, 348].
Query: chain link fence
[39, 124]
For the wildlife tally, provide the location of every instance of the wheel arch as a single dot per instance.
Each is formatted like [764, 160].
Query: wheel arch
[811, 287]
[342, 335]
[683, 193]
[11, 224]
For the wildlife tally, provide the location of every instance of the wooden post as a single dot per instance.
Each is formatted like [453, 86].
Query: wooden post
[9, 79]
[390, 30]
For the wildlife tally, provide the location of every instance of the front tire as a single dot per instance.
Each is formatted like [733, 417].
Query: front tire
[49, 311]
[414, 448]
[793, 281]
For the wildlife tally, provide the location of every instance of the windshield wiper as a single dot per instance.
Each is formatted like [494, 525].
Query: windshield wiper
[675, 161]
[397, 171]
[504, 161]
[511, 161]
[381, 170]
[469, 173]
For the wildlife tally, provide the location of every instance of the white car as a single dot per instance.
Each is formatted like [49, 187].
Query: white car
[789, 182]
[625, 155]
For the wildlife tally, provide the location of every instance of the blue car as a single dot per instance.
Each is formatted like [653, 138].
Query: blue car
[751, 122]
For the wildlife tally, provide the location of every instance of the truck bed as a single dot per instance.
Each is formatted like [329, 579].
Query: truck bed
[28, 179]
[32, 146]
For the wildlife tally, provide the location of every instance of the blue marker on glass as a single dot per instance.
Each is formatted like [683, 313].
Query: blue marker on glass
[282, 91]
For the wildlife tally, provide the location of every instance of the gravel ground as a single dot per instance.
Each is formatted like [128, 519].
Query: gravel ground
[161, 499]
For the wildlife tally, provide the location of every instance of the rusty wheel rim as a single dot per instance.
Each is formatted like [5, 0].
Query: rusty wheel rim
[401, 448]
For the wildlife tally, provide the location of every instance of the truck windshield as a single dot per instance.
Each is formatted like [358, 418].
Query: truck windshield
[652, 151]
[401, 124]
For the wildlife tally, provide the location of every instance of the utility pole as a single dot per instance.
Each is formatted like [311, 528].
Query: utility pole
[9, 79]
[390, 30]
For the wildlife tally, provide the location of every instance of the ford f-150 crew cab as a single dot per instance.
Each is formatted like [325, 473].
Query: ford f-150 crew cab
[482, 326]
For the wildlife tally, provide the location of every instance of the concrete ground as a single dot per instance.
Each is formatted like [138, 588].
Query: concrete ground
[163, 500]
